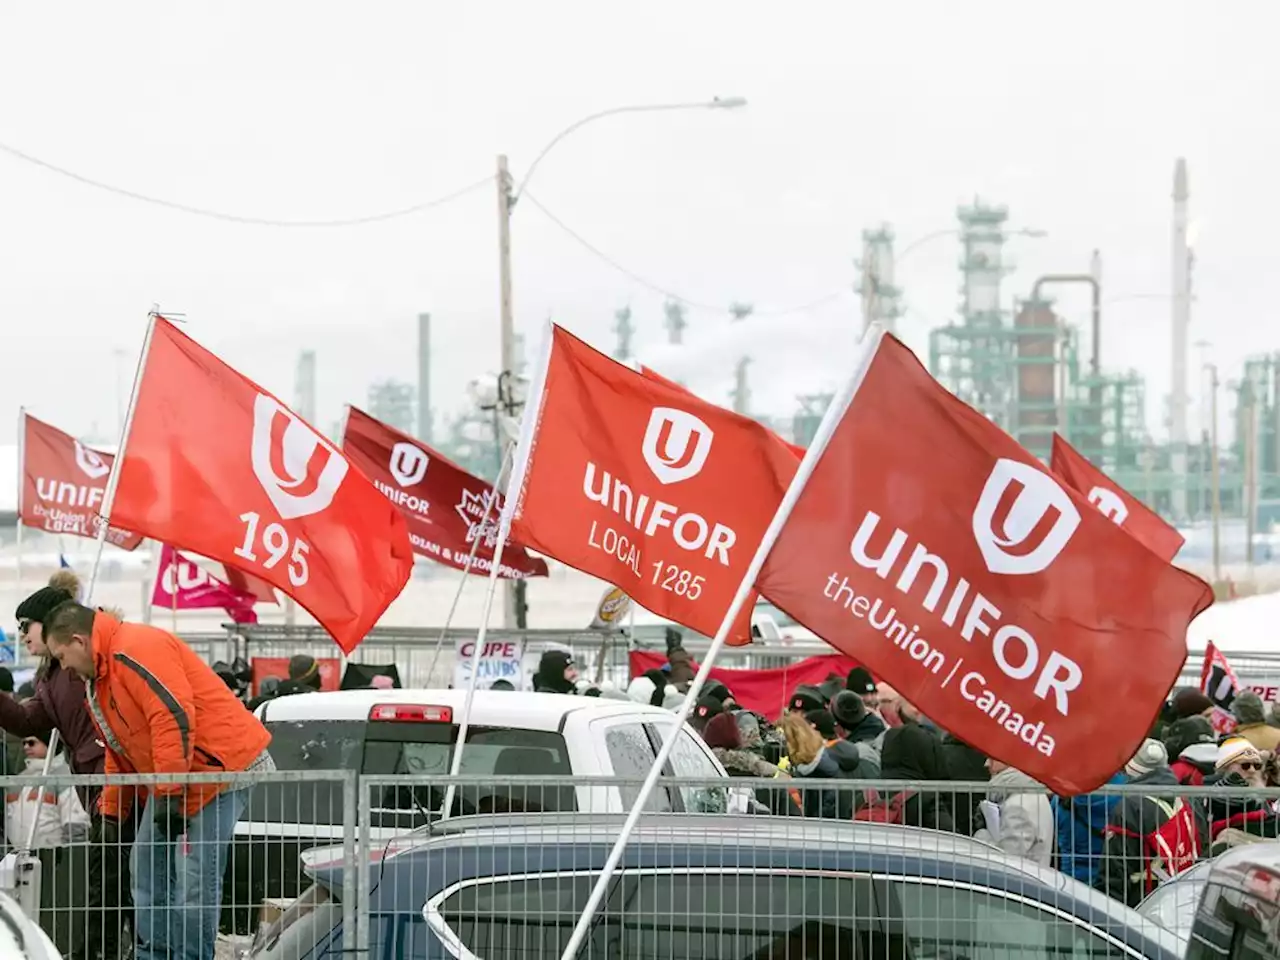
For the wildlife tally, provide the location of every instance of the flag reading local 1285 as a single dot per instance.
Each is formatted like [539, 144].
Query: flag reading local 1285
[654, 375]
[1112, 500]
[216, 465]
[63, 483]
[932, 548]
[647, 487]
[444, 506]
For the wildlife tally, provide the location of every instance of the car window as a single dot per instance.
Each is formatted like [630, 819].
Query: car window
[689, 760]
[426, 750]
[516, 919]
[1235, 924]
[631, 755]
[732, 915]
[942, 921]
[307, 745]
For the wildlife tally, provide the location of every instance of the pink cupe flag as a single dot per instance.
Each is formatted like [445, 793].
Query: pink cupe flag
[182, 584]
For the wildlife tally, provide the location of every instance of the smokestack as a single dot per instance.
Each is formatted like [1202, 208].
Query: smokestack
[424, 378]
[1181, 275]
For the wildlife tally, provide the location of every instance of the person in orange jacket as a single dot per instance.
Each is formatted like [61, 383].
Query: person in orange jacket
[161, 709]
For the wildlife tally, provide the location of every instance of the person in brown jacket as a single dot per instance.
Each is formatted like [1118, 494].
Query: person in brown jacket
[161, 709]
[59, 704]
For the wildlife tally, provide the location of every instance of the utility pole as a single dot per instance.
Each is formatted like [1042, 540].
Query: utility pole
[512, 604]
[1215, 477]
[1249, 425]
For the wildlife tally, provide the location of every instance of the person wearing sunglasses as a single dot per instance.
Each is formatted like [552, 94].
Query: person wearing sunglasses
[1238, 756]
[59, 704]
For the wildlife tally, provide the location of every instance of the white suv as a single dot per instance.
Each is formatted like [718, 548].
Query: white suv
[511, 735]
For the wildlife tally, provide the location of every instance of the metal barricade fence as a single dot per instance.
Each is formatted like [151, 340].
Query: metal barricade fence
[788, 868]
[325, 864]
[98, 885]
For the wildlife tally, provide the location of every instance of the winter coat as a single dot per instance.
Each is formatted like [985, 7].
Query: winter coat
[869, 728]
[852, 761]
[964, 763]
[1082, 823]
[59, 816]
[1026, 827]
[161, 709]
[682, 669]
[1251, 815]
[744, 763]
[1261, 735]
[1195, 764]
[550, 675]
[1125, 858]
[59, 704]
[833, 804]
[913, 753]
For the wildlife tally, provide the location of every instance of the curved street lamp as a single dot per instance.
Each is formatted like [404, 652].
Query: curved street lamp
[513, 597]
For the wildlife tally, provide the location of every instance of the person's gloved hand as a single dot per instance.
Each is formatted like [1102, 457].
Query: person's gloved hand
[167, 814]
[105, 830]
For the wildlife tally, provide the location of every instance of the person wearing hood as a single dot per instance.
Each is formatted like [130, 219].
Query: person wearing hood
[809, 759]
[1017, 817]
[913, 754]
[556, 673]
[1251, 721]
[760, 737]
[651, 688]
[1130, 871]
[1192, 742]
[849, 757]
[58, 815]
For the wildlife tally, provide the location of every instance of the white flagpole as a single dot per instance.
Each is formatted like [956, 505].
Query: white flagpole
[466, 570]
[109, 495]
[514, 491]
[22, 482]
[830, 421]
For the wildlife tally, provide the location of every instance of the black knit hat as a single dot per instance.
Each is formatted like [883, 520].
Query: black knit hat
[848, 709]
[807, 697]
[41, 603]
[860, 681]
[823, 722]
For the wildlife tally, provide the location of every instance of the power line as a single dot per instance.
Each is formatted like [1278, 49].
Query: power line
[670, 295]
[233, 217]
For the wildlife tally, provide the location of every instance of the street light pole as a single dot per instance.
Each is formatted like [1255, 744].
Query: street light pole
[513, 595]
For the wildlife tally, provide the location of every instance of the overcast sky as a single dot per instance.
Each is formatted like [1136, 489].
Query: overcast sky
[1071, 114]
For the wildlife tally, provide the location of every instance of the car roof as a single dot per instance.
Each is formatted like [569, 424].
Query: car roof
[591, 835]
[501, 708]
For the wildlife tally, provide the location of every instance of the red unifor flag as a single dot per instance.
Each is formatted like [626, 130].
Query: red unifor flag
[932, 548]
[645, 486]
[445, 507]
[1218, 682]
[1112, 500]
[63, 483]
[214, 464]
[654, 375]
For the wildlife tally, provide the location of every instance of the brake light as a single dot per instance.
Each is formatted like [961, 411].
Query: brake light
[411, 713]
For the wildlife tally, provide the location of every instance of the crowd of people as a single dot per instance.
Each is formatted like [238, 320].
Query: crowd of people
[849, 729]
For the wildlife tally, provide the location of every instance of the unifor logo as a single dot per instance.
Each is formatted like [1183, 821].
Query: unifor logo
[408, 464]
[297, 468]
[1109, 504]
[1023, 519]
[676, 444]
[90, 462]
[181, 574]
